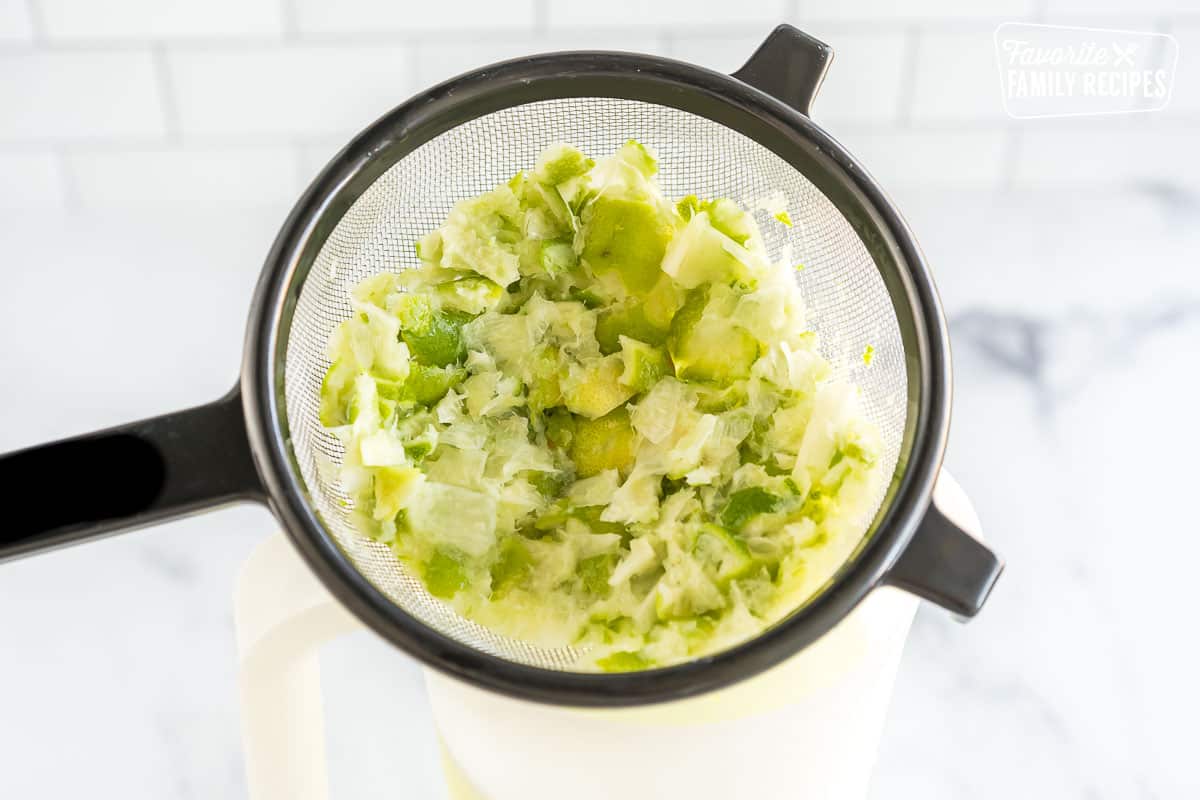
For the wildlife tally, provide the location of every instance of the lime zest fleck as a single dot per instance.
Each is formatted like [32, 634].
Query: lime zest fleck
[868, 355]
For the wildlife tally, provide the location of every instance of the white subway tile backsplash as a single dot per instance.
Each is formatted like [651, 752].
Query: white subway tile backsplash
[722, 53]
[956, 77]
[301, 91]
[184, 179]
[30, 182]
[311, 158]
[391, 16]
[59, 96]
[864, 81]
[936, 10]
[15, 25]
[437, 61]
[671, 14]
[957, 158]
[242, 101]
[154, 19]
[637, 40]
[1107, 152]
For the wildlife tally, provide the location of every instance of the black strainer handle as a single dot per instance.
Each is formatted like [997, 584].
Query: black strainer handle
[790, 66]
[945, 564]
[126, 477]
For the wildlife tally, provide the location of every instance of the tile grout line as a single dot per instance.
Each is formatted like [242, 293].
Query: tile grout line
[67, 184]
[666, 41]
[166, 91]
[908, 80]
[442, 35]
[126, 144]
[541, 17]
[300, 165]
[414, 68]
[665, 44]
[37, 25]
[1010, 158]
[288, 21]
[451, 35]
[1164, 25]
[1158, 60]
[1181, 123]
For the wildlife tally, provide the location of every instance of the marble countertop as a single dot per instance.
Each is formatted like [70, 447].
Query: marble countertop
[1076, 323]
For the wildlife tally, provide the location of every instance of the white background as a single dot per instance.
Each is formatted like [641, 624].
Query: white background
[150, 148]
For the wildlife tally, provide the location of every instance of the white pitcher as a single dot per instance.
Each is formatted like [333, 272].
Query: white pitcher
[808, 728]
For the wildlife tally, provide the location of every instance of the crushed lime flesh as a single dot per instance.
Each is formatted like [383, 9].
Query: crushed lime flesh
[596, 418]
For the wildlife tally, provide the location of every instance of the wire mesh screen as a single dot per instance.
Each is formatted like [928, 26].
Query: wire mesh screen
[849, 306]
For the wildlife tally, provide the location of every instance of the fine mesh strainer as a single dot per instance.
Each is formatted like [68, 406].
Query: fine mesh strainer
[746, 136]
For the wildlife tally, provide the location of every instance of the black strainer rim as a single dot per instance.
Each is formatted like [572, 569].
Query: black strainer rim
[790, 135]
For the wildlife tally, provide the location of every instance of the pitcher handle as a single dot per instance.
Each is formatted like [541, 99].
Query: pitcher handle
[282, 615]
